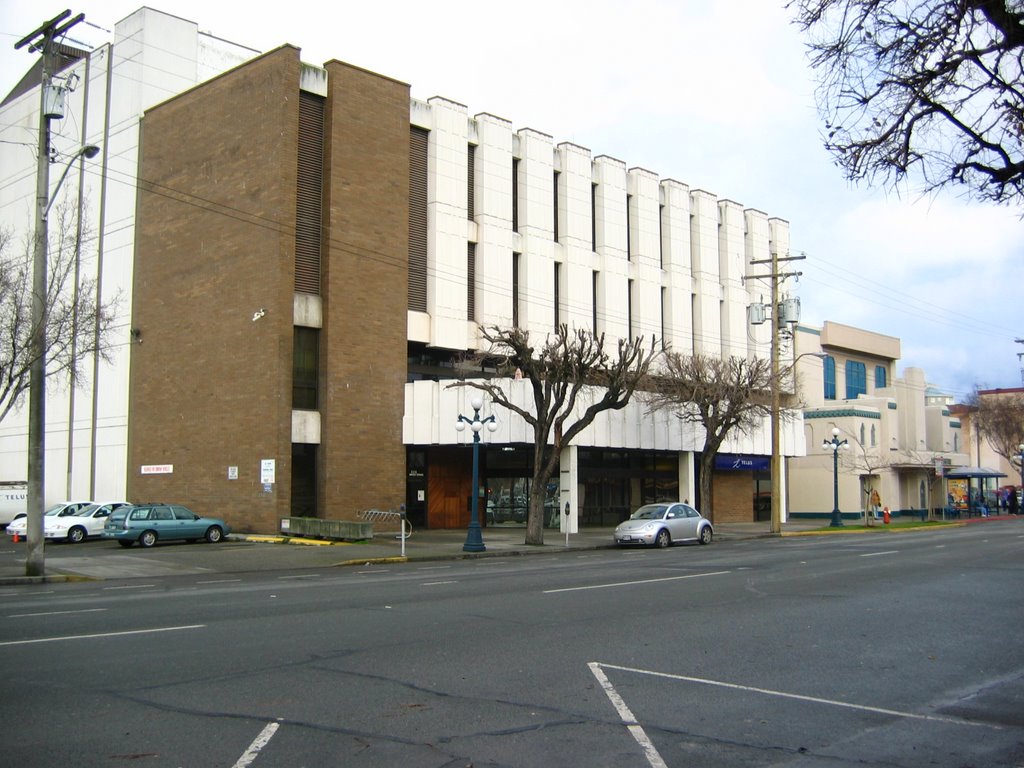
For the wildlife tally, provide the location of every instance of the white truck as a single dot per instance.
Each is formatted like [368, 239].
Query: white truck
[13, 500]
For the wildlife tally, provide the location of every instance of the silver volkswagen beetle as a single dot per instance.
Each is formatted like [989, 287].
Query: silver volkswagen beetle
[664, 524]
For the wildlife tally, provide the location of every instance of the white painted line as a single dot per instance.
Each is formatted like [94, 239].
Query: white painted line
[254, 749]
[800, 697]
[631, 583]
[627, 717]
[54, 613]
[435, 583]
[131, 586]
[102, 634]
[434, 568]
[301, 576]
[218, 581]
[877, 554]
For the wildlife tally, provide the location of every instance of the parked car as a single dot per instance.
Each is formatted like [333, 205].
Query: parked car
[77, 527]
[664, 524]
[63, 509]
[150, 523]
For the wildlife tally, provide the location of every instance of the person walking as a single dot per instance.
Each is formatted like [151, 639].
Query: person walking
[1012, 505]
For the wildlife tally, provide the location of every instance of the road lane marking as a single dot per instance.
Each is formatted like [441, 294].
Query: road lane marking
[627, 717]
[54, 613]
[301, 576]
[131, 586]
[254, 749]
[801, 697]
[876, 554]
[102, 634]
[435, 583]
[218, 581]
[632, 583]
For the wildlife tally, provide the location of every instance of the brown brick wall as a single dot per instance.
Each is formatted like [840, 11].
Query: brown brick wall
[209, 387]
[734, 497]
[364, 347]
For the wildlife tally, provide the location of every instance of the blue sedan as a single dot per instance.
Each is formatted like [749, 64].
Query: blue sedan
[150, 523]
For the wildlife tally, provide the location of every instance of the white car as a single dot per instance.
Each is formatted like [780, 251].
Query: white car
[663, 524]
[19, 526]
[86, 522]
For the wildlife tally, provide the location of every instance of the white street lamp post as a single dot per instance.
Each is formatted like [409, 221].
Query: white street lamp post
[835, 444]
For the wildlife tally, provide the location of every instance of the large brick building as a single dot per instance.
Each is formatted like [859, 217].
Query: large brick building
[313, 251]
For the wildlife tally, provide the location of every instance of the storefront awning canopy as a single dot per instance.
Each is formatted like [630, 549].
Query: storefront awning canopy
[974, 472]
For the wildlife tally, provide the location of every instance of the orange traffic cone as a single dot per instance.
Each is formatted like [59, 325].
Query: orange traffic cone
[15, 538]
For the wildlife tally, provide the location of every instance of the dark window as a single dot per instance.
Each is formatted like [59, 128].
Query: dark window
[856, 379]
[305, 368]
[558, 272]
[470, 183]
[303, 501]
[593, 300]
[661, 236]
[418, 219]
[471, 282]
[830, 378]
[309, 193]
[593, 217]
[881, 376]
[515, 195]
[629, 310]
[515, 289]
[554, 221]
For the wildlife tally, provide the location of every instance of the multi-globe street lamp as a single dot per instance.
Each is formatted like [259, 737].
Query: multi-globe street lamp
[835, 444]
[474, 539]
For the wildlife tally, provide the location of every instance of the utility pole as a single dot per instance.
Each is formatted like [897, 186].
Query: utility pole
[41, 40]
[776, 461]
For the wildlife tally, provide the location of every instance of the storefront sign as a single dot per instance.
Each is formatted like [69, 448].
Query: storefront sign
[736, 462]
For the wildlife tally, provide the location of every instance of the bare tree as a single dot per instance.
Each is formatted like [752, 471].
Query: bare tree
[71, 314]
[568, 371]
[931, 88]
[999, 417]
[722, 394]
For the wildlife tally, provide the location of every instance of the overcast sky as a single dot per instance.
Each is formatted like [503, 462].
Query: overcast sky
[717, 95]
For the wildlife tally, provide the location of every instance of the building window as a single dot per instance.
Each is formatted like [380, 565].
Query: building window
[881, 376]
[515, 195]
[515, 289]
[663, 293]
[863, 434]
[471, 282]
[309, 185]
[956, 443]
[593, 217]
[554, 205]
[470, 182]
[661, 236]
[593, 300]
[874, 436]
[305, 368]
[418, 140]
[830, 378]
[856, 379]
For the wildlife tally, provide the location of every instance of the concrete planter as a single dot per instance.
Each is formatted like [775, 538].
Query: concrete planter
[314, 527]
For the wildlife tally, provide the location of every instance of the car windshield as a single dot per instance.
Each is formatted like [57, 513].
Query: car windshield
[55, 510]
[86, 511]
[649, 512]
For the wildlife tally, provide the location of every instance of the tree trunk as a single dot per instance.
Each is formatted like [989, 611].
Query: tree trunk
[707, 463]
[535, 518]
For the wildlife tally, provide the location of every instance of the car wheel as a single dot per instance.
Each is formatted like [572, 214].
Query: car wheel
[76, 535]
[214, 534]
[663, 539]
[705, 535]
[148, 538]
[124, 543]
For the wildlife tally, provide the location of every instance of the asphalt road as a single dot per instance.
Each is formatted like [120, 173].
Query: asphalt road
[826, 651]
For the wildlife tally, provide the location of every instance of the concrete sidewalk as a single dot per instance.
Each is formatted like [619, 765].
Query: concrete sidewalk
[245, 553]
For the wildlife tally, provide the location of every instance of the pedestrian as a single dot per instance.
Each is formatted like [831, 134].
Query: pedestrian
[1012, 505]
[876, 502]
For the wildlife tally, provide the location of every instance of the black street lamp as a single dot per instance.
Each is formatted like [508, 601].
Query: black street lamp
[835, 444]
[474, 539]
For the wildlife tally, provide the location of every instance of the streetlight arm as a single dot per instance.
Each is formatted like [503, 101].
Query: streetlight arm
[88, 151]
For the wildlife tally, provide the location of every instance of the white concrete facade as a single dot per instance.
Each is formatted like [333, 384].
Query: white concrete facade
[153, 56]
[894, 434]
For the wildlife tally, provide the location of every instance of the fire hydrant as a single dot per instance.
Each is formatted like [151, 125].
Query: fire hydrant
[885, 515]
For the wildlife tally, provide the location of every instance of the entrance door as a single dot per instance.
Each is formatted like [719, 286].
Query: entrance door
[449, 481]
